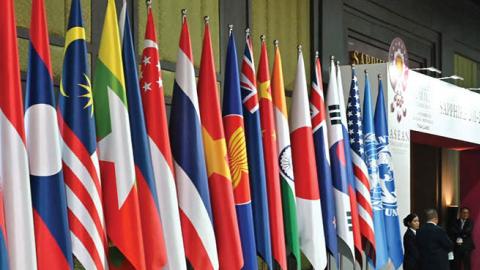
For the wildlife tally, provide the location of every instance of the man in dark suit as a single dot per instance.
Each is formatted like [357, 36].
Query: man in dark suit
[433, 244]
[461, 233]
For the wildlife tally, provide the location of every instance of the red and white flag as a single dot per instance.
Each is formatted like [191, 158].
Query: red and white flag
[309, 209]
[14, 175]
[157, 130]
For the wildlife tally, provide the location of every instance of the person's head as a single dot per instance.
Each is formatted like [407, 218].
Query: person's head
[431, 215]
[464, 213]
[412, 221]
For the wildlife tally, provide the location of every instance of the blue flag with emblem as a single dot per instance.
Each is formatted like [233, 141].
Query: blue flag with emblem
[370, 147]
[235, 136]
[387, 182]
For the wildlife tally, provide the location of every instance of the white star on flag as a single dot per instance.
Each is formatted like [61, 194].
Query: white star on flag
[146, 60]
[147, 86]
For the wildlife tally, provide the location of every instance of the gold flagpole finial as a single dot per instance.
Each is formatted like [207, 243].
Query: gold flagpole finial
[299, 48]
[206, 19]
[230, 29]
[276, 43]
[262, 38]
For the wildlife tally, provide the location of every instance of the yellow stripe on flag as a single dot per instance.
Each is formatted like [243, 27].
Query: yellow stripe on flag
[74, 33]
[110, 52]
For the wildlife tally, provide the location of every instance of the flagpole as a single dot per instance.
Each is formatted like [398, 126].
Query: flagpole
[183, 12]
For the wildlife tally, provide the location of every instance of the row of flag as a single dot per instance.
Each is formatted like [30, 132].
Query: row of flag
[102, 174]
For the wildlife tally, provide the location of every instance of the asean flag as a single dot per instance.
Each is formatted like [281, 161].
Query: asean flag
[237, 151]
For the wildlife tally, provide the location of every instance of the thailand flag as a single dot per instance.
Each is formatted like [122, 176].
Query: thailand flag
[153, 243]
[157, 128]
[360, 170]
[49, 201]
[322, 157]
[190, 168]
[339, 168]
[256, 162]
[237, 151]
[14, 179]
[387, 181]
[375, 189]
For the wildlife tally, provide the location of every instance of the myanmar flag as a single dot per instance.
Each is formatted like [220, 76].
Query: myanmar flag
[115, 150]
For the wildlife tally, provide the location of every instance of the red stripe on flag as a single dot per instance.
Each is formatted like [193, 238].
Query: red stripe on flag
[155, 251]
[355, 224]
[49, 254]
[76, 186]
[194, 250]
[77, 147]
[38, 36]
[77, 228]
[185, 45]
[11, 102]
[361, 175]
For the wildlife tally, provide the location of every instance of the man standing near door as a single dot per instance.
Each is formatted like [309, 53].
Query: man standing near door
[461, 232]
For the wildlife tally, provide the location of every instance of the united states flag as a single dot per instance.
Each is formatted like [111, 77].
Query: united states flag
[362, 186]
